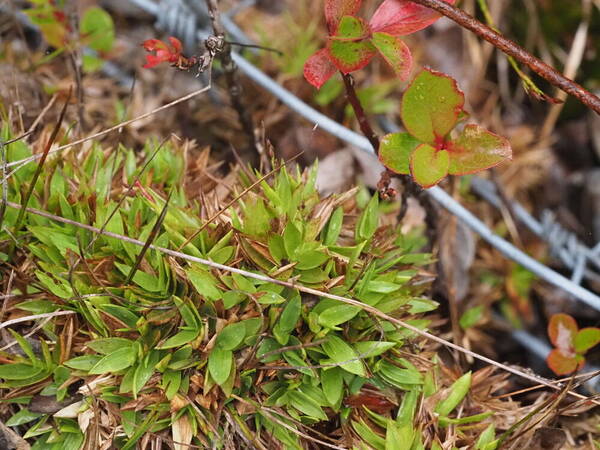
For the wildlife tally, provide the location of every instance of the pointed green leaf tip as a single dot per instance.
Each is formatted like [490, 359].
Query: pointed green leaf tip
[431, 106]
[428, 165]
[395, 150]
[350, 48]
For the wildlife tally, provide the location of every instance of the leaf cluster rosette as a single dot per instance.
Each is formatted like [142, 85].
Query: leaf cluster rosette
[432, 107]
[570, 344]
[352, 43]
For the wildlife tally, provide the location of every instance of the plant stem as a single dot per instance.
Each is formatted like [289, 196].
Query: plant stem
[359, 112]
[231, 75]
[512, 49]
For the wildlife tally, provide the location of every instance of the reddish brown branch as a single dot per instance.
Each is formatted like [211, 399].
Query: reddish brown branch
[359, 112]
[511, 48]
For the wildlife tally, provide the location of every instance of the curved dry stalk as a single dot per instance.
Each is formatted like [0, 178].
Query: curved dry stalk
[35, 317]
[318, 293]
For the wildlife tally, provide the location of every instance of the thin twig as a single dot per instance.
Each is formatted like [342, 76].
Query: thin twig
[231, 75]
[35, 317]
[511, 48]
[316, 292]
[359, 112]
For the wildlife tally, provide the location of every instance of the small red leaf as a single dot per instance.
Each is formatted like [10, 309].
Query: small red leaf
[477, 149]
[395, 52]
[428, 165]
[164, 53]
[336, 9]
[319, 68]
[561, 364]
[562, 330]
[350, 49]
[586, 339]
[395, 150]
[401, 17]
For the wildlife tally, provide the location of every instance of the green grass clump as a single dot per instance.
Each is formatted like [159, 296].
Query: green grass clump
[154, 347]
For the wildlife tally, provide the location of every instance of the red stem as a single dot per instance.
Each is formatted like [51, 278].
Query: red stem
[511, 48]
[359, 112]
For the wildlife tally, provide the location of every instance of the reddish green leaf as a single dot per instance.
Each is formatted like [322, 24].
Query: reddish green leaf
[395, 150]
[431, 106]
[319, 68]
[428, 165]
[561, 364]
[562, 330]
[401, 17]
[586, 339]
[395, 52]
[336, 9]
[350, 48]
[477, 149]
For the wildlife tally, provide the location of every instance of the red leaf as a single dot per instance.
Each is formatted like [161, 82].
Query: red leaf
[401, 17]
[562, 330]
[336, 9]
[477, 149]
[319, 68]
[395, 52]
[164, 53]
[561, 364]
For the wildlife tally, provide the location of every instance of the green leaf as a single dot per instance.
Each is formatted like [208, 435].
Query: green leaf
[395, 52]
[398, 376]
[91, 63]
[85, 362]
[231, 336]
[109, 345]
[306, 405]
[395, 150]
[368, 349]
[288, 319]
[118, 360]
[477, 149]
[422, 305]
[334, 227]
[487, 439]
[22, 417]
[220, 364]
[431, 106]
[337, 314]
[271, 298]
[428, 165]
[292, 239]
[179, 339]
[205, 283]
[587, 338]
[368, 221]
[332, 381]
[471, 316]
[97, 29]
[458, 391]
[341, 353]
[18, 371]
[350, 48]
[311, 259]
